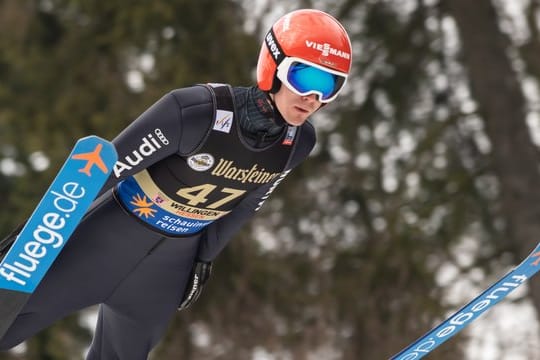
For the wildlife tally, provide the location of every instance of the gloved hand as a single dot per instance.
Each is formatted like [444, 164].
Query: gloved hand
[199, 275]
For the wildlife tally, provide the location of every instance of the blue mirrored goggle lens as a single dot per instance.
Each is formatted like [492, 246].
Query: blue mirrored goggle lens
[307, 78]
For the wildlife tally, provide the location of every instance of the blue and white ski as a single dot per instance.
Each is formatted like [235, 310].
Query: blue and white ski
[51, 224]
[467, 314]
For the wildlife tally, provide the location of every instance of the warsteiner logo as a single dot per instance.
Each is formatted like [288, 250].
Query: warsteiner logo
[229, 170]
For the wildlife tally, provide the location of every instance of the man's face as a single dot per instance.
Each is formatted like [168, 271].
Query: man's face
[295, 108]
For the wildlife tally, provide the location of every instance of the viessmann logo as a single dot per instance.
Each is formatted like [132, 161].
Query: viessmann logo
[48, 227]
[327, 49]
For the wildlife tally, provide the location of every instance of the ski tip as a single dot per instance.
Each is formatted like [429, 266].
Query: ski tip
[96, 152]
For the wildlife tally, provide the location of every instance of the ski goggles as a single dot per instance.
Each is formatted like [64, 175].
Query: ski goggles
[305, 78]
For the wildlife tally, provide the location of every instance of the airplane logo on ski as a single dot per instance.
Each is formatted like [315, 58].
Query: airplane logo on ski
[92, 158]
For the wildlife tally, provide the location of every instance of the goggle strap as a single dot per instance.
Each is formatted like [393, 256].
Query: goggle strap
[273, 47]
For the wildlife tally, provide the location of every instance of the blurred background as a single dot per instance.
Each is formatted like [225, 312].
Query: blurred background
[423, 189]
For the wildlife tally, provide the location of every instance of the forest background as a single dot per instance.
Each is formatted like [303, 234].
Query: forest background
[422, 189]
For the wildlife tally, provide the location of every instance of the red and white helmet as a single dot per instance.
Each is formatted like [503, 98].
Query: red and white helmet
[308, 36]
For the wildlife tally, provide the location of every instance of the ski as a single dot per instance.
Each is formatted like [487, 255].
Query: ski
[476, 307]
[51, 224]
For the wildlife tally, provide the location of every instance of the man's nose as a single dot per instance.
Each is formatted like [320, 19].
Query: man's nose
[311, 97]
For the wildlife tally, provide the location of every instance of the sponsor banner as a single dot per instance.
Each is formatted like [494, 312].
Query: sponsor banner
[253, 175]
[470, 312]
[57, 215]
[148, 187]
[150, 144]
[327, 49]
[156, 209]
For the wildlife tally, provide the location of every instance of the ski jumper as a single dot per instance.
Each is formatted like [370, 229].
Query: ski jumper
[192, 170]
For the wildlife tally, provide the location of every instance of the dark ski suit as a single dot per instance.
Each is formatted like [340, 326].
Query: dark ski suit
[192, 170]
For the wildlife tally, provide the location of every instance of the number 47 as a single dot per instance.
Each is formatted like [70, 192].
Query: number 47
[198, 195]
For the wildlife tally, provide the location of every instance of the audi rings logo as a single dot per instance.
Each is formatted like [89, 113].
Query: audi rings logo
[200, 162]
[161, 137]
